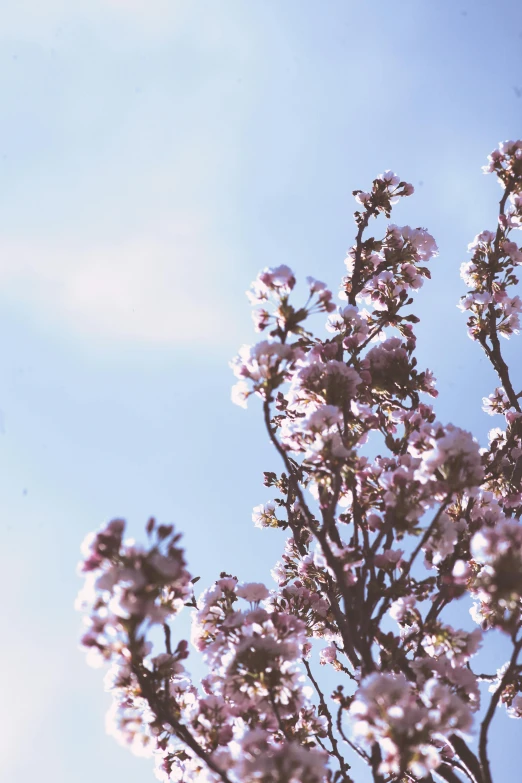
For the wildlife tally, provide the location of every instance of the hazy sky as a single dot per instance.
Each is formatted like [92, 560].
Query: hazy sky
[153, 156]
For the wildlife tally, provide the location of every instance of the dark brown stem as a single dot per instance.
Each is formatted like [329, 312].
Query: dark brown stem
[375, 761]
[484, 729]
[409, 564]
[168, 644]
[280, 723]
[344, 766]
[446, 773]
[356, 276]
[164, 716]
[494, 355]
[470, 764]
[360, 752]
[312, 527]
[494, 352]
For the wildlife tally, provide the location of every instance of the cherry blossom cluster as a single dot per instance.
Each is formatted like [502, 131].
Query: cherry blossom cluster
[391, 516]
[498, 584]
[128, 587]
[273, 286]
[492, 269]
[405, 721]
[251, 720]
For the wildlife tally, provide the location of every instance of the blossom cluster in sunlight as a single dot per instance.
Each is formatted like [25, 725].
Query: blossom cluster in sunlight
[378, 547]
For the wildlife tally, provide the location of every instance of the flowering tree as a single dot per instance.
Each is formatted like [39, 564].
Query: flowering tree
[379, 546]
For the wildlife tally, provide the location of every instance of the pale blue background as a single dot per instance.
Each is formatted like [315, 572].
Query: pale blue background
[153, 156]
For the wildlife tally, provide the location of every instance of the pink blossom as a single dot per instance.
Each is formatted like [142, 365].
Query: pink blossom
[402, 607]
[515, 708]
[461, 572]
[422, 241]
[455, 453]
[264, 515]
[278, 279]
[389, 178]
[252, 591]
[390, 558]
[261, 760]
[513, 251]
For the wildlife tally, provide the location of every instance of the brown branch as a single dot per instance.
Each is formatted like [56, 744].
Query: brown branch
[312, 527]
[360, 752]
[168, 644]
[344, 766]
[408, 565]
[164, 716]
[358, 256]
[484, 729]
[494, 355]
[280, 723]
[494, 352]
[470, 764]
[375, 760]
[446, 773]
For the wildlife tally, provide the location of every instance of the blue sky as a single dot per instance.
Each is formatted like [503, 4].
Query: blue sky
[153, 156]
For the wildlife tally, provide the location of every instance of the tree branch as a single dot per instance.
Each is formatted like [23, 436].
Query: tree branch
[484, 729]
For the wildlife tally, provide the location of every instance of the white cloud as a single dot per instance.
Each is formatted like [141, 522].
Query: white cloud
[163, 290]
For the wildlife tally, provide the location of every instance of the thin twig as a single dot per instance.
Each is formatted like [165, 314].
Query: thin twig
[164, 716]
[483, 741]
[344, 766]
